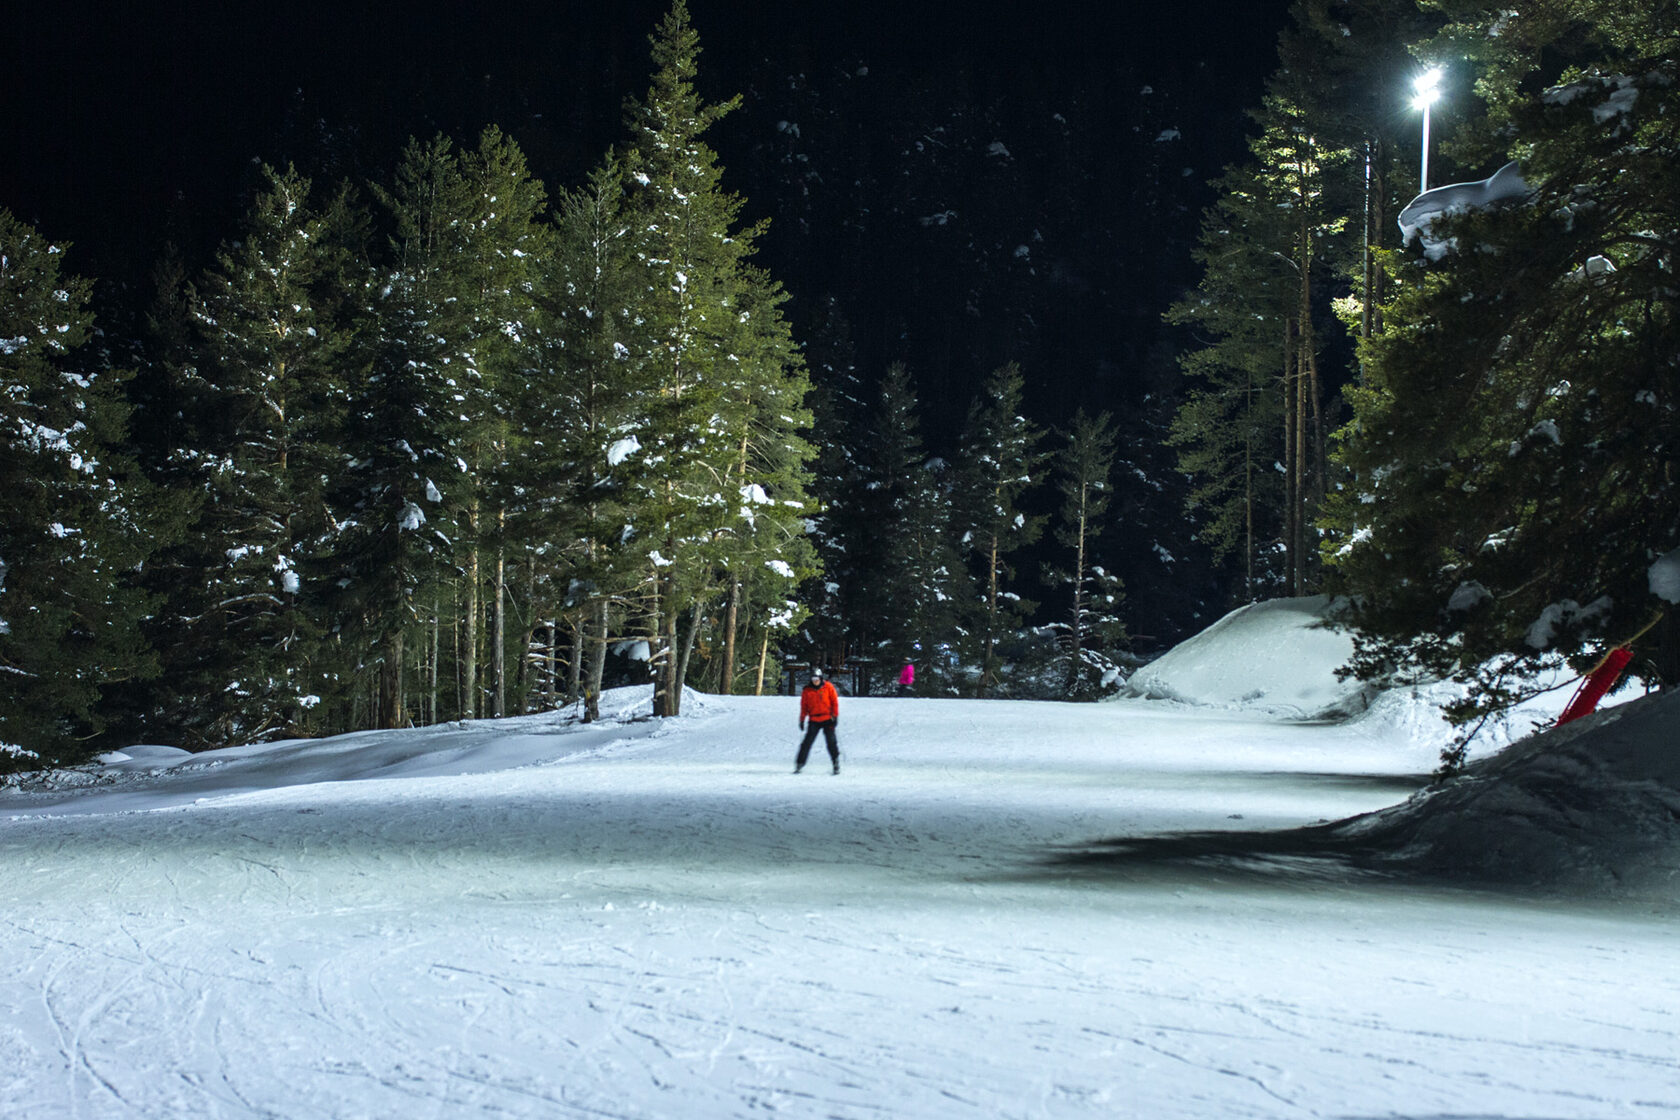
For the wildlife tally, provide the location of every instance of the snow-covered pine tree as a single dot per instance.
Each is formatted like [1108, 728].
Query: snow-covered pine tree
[1229, 428]
[496, 347]
[273, 409]
[897, 581]
[1083, 470]
[763, 552]
[999, 461]
[692, 256]
[1348, 66]
[1270, 248]
[402, 497]
[840, 425]
[74, 529]
[583, 417]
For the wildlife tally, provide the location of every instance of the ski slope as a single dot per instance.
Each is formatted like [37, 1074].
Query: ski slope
[537, 918]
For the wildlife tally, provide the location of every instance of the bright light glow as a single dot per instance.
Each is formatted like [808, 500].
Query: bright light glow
[1427, 86]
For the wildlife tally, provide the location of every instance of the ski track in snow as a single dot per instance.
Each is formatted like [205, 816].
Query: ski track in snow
[641, 920]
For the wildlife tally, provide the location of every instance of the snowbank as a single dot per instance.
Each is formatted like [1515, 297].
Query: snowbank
[1593, 806]
[1275, 657]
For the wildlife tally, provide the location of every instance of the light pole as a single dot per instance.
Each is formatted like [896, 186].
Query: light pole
[1427, 87]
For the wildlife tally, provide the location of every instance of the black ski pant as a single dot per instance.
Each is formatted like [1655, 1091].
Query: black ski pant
[811, 729]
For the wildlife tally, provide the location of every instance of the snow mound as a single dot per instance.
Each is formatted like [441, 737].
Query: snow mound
[1592, 806]
[1275, 657]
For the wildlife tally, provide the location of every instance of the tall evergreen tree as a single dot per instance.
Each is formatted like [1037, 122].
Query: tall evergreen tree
[1229, 429]
[74, 524]
[899, 569]
[407, 486]
[695, 284]
[275, 390]
[1000, 461]
[1349, 66]
[580, 417]
[1083, 481]
[1263, 296]
[496, 344]
[762, 553]
[841, 426]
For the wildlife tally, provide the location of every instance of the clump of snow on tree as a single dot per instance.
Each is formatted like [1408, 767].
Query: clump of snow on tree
[1419, 216]
[1664, 577]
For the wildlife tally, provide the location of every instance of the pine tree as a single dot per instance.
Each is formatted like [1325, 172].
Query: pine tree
[841, 425]
[1083, 480]
[404, 493]
[74, 520]
[1000, 461]
[695, 285]
[1229, 429]
[763, 553]
[898, 571]
[1264, 249]
[274, 385]
[580, 417]
[1515, 447]
[495, 344]
[1347, 66]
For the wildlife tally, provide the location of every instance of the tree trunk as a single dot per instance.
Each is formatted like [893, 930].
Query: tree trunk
[436, 652]
[575, 671]
[390, 683]
[1078, 593]
[668, 697]
[498, 638]
[694, 615]
[469, 640]
[1291, 481]
[763, 656]
[731, 620]
[664, 645]
[596, 636]
[1248, 494]
[986, 678]
[1299, 547]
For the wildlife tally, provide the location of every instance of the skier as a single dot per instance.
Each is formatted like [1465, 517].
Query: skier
[820, 705]
[907, 678]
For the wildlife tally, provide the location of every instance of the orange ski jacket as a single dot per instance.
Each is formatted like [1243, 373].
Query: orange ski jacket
[819, 703]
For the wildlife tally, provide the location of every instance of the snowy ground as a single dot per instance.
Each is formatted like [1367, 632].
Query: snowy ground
[641, 919]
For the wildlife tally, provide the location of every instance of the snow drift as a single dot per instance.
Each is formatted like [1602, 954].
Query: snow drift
[1275, 656]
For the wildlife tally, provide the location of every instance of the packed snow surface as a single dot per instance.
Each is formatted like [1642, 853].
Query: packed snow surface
[998, 909]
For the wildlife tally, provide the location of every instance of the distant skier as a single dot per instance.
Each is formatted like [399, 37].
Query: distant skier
[819, 705]
[907, 678]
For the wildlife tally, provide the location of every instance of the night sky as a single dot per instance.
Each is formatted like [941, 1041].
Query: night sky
[115, 114]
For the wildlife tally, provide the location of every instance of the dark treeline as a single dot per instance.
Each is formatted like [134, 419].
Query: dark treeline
[416, 453]
[446, 445]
